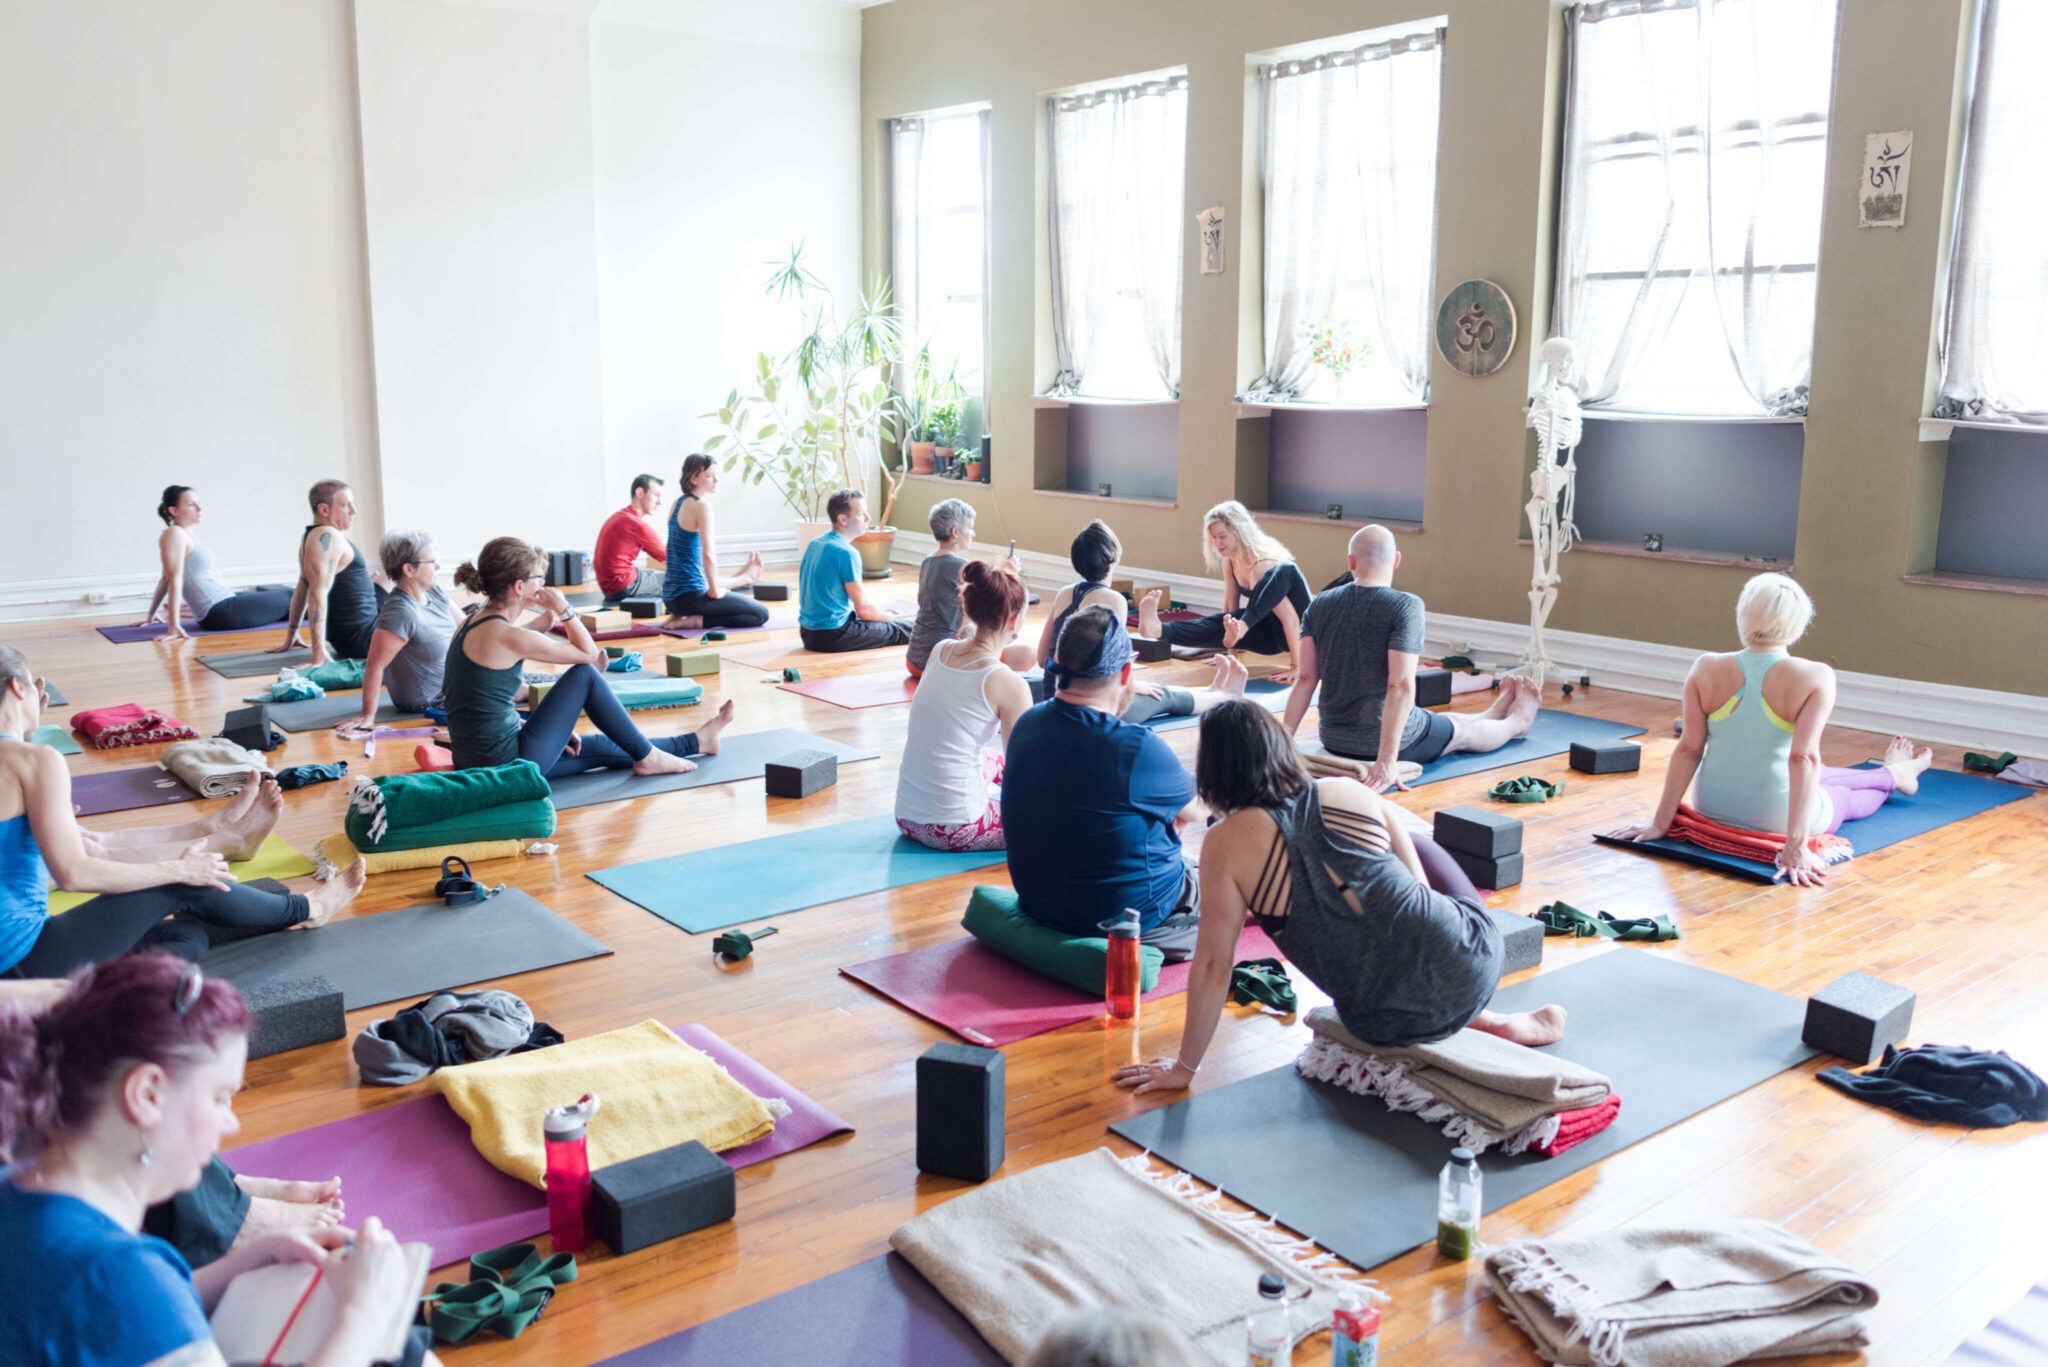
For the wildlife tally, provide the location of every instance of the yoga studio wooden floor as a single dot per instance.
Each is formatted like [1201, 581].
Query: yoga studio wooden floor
[1947, 1222]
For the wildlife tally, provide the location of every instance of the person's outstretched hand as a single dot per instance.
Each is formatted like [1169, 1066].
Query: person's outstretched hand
[1381, 777]
[194, 867]
[1801, 867]
[1648, 830]
[1160, 1075]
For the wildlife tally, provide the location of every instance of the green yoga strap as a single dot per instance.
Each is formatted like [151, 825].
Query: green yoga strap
[1524, 789]
[1650, 928]
[1988, 764]
[1263, 981]
[509, 1288]
[1459, 664]
[1562, 918]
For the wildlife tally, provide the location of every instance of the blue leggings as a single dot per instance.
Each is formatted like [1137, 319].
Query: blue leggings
[582, 690]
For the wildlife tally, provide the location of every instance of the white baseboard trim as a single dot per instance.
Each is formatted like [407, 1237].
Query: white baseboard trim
[102, 595]
[1947, 714]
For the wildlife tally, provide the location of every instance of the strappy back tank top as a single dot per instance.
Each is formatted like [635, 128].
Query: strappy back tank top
[483, 725]
[1080, 591]
[1745, 777]
[685, 572]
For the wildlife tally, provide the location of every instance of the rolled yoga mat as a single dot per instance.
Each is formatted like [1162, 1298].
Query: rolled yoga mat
[413, 1166]
[743, 756]
[879, 1311]
[730, 884]
[1360, 1179]
[989, 1000]
[128, 632]
[1552, 734]
[1944, 797]
[413, 952]
[254, 664]
[323, 714]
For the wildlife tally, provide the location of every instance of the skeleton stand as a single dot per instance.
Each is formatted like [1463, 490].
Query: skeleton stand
[1553, 489]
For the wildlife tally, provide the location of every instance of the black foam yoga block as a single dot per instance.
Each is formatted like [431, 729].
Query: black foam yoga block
[566, 569]
[1615, 757]
[771, 593]
[249, 727]
[1503, 872]
[1856, 1016]
[1478, 831]
[660, 1196]
[960, 1111]
[641, 607]
[802, 773]
[1521, 939]
[293, 1014]
[1432, 687]
[1151, 648]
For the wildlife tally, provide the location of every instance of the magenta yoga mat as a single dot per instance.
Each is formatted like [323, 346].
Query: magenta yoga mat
[987, 999]
[412, 1165]
[123, 790]
[129, 632]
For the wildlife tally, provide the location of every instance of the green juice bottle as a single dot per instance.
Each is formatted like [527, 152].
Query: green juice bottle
[1457, 1205]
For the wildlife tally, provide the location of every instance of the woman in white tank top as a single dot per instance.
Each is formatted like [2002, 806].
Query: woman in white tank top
[189, 583]
[949, 788]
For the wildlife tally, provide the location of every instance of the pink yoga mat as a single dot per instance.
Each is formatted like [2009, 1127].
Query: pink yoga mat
[987, 999]
[129, 632]
[122, 790]
[857, 690]
[413, 1167]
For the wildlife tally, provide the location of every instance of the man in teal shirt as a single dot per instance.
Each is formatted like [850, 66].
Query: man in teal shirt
[834, 614]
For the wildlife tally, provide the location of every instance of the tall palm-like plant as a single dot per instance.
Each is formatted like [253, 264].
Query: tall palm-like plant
[817, 417]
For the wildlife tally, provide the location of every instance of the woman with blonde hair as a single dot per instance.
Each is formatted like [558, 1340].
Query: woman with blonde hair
[1264, 594]
[1750, 746]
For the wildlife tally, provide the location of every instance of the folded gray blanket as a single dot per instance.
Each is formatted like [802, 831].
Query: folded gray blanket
[1699, 1295]
[213, 767]
[446, 1029]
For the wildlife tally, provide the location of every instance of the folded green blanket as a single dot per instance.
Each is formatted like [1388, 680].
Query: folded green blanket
[530, 820]
[340, 675]
[1079, 961]
[406, 804]
[652, 691]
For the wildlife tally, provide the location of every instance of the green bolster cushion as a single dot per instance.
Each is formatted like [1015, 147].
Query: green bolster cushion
[335, 675]
[533, 819]
[653, 691]
[411, 801]
[1079, 961]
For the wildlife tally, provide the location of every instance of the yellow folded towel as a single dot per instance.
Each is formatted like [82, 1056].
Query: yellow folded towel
[275, 859]
[337, 851]
[656, 1091]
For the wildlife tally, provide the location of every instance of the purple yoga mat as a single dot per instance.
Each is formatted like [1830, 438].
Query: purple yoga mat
[881, 1310]
[987, 999]
[413, 1167]
[122, 790]
[128, 632]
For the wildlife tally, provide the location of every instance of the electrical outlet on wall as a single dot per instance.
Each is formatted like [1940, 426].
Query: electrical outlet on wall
[1333, 511]
[1102, 490]
[98, 597]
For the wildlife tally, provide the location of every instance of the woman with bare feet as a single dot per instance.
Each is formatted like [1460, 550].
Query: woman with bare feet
[1750, 746]
[1264, 594]
[150, 895]
[693, 588]
[485, 674]
[188, 583]
[235, 832]
[1383, 922]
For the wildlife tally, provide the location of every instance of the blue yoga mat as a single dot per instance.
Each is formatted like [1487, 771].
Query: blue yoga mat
[1944, 797]
[712, 889]
[1269, 695]
[1553, 734]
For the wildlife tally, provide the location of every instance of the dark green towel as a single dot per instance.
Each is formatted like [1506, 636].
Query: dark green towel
[394, 806]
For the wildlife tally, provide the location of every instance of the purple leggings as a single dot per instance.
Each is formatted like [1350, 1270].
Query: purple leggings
[1856, 793]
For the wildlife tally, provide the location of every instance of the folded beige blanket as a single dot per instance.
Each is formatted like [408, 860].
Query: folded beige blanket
[1487, 1090]
[213, 767]
[1323, 764]
[1013, 1256]
[1700, 1295]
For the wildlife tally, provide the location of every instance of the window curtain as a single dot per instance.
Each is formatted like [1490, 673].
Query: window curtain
[910, 230]
[1308, 154]
[1994, 363]
[1399, 93]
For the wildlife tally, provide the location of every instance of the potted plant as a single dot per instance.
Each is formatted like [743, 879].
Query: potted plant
[923, 397]
[814, 419]
[946, 428]
[974, 465]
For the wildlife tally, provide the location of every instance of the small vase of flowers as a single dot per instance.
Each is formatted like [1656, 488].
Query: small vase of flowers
[1331, 346]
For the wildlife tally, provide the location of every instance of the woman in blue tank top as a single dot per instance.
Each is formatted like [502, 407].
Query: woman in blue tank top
[188, 580]
[693, 587]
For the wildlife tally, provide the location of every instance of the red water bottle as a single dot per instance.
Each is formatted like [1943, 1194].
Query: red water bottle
[1122, 977]
[565, 1128]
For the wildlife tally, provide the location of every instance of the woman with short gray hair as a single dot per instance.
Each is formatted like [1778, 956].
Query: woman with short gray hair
[409, 647]
[938, 587]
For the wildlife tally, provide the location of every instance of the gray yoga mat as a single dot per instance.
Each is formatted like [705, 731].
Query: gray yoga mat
[412, 953]
[1360, 1179]
[252, 664]
[739, 757]
[56, 694]
[320, 714]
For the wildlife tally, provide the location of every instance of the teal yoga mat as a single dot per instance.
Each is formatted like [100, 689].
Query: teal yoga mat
[715, 888]
[1552, 734]
[58, 738]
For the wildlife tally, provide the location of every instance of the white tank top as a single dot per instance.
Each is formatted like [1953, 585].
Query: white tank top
[952, 726]
[202, 586]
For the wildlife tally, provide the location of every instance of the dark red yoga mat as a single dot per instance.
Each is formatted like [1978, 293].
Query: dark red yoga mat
[987, 999]
[123, 790]
[413, 1167]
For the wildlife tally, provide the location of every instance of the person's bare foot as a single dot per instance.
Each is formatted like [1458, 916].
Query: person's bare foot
[1527, 702]
[230, 816]
[660, 761]
[242, 836]
[1148, 614]
[1907, 764]
[1505, 701]
[303, 1193]
[1231, 675]
[336, 893]
[1544, 1025]
[707, 734]
[270, 1215]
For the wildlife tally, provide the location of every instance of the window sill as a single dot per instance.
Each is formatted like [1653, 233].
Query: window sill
[1939, 429]
[1131, 499]
[946, 479]
[1246, 409]
[1688, 557]
[1392, 524]
[1982, 583]
[1625, 415]
[1090, 401]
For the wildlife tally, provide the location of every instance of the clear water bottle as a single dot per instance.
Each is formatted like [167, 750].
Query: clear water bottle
[1269, 1332]
[1457, 1205]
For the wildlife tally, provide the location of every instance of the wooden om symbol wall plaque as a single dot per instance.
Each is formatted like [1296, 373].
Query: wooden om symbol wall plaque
[1475, 327]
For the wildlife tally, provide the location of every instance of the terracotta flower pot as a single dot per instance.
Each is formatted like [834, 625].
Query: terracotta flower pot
[974, 471]
[921, 457]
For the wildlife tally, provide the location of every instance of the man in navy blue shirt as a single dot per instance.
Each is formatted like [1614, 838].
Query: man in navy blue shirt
[1093, 805]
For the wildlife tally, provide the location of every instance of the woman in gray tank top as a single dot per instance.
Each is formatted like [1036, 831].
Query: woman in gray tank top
[1380, 920]
[409, 647]
[188, 583]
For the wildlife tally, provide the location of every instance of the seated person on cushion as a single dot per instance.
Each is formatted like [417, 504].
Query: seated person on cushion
[334, 595]
[1264, 593]
[174, 894]
[114, 1097]
[1381, 920]
[188, 582]
[409, 648]
[1360, 641]
[938, 589]
[1750, 746]
[835, 614]
[485, 673]
[1093, 806]
[625, 535]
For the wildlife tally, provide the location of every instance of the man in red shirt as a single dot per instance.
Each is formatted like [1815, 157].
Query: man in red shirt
[625, 534]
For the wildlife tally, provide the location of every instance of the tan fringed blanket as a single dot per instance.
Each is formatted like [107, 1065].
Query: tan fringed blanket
[1323, 764]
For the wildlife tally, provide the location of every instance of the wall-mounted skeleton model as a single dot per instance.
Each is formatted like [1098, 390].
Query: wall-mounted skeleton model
[1553, 488]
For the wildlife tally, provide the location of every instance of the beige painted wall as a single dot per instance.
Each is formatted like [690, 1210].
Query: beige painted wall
[1871, 490]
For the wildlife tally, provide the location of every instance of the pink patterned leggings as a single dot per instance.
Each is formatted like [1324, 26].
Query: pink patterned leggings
[985, 832]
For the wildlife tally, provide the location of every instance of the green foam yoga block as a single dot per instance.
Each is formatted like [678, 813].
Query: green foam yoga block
[1079, 961]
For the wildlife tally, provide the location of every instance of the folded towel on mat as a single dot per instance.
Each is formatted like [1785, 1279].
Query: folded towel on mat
[335, 675]
[289, 688]
[1679, 1295]
[1487, 1091]
[1691, 828]
[337, 853]
[213, 767]
[1323, 764]
[448, 1030]
[657, 1092]
[388, 811]
[1015, 1255]
[115, 728]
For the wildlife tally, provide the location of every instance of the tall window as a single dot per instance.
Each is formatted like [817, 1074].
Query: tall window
[938, 240]
[1348, 173]
[1117, 161]
[1994, 343]
[1689, 225]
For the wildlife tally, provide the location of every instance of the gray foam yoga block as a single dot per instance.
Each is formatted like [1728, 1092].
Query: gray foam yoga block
[802, 773]
[1503, 872]
[639, 608]
[1432, 687]
[960, 1099]
[1521, 940]
[293, 1014]
[1478, 831]
[1151, 648]
[1613, 757]
[1856, 1016]
[661, 1196]
[771, 593]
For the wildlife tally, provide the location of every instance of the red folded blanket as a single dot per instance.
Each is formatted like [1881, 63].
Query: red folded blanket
[1576, 1127]
[1762, 846]
[115, 728]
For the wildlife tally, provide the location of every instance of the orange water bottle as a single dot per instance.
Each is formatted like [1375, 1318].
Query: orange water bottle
[1121, 979]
